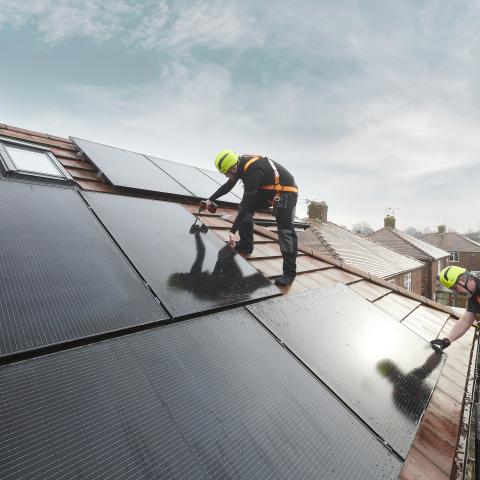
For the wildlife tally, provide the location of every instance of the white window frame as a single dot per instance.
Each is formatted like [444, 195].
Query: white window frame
[407, 281]
[454, 257]
[9, 166]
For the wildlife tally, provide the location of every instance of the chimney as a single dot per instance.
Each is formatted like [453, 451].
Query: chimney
[318, 211]
[389, 221]
[442, 229]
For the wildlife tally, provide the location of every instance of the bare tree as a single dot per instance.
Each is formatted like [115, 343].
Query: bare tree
[362, 228]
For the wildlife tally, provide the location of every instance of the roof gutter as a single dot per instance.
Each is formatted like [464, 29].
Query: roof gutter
[469, 427]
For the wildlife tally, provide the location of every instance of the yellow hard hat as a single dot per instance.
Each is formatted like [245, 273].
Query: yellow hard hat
[449, 275]
[225, 160]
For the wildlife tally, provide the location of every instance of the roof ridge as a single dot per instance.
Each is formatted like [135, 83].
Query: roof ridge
[327, 245]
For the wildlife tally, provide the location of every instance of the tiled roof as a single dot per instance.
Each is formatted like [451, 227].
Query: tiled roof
[408, 245]
[452, 242]
[355, 250]
[438, 451]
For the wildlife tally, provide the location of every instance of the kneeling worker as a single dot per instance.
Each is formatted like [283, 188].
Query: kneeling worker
[459, 280]
[266, 184]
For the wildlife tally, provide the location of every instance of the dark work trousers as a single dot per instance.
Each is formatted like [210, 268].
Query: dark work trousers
[287, 237]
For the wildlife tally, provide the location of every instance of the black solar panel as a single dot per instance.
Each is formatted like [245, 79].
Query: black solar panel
[381, 369]
[221, 179]
[189, 270]
[61, 277]
[210, 398]
[192, 179]
[129, 169]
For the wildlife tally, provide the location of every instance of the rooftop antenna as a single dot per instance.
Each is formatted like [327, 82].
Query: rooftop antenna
[390, 211]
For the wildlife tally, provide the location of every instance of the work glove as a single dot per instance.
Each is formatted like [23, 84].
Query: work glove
[207, 205]
[440, 344]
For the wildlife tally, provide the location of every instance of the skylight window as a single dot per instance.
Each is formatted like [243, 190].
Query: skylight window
[32, 161]
[27, 159]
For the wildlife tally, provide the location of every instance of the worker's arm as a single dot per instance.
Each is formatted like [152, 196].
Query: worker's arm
[459, 329]
[223, 190]
[461, 326]
[252, 184]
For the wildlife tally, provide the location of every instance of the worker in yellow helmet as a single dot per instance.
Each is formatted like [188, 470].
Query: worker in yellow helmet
[459, 280]
[266, 184]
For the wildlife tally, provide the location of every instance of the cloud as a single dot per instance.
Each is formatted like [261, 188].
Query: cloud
[211, 24]
[369, 107]
[57, 20]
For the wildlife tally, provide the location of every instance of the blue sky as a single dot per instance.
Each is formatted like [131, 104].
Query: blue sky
[370, 104]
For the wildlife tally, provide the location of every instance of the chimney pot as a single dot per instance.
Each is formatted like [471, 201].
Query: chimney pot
[442, 229]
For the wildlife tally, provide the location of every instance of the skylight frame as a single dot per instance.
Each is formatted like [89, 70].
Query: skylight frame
[9, 165]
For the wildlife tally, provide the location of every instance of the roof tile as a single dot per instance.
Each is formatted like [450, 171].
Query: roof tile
[369, 290]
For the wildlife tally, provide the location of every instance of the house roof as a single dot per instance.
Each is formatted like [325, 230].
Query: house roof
[355, 250]
[438, 450]
[408, 245]
[452, 242]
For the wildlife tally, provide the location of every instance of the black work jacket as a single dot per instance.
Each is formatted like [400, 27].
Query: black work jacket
[258, 174]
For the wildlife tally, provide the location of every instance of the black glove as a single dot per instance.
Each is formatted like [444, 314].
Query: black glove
[439, 345]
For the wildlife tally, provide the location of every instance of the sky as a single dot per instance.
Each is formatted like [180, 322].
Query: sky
[370, 104]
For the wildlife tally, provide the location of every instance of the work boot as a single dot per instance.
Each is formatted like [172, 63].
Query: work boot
[285, 280]
[243, 248]
[289, 270]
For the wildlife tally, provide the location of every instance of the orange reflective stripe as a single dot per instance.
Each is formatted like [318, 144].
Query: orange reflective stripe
[253, 159]
[279, 188]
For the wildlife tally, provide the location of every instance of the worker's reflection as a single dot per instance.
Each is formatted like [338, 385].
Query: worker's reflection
[410, 392]
[226, 279]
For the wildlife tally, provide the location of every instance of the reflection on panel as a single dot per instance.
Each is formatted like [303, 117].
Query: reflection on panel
[221, 179]
[191, 271]
[210, 398]
[61, 276]
[382, 370]
[192, 179]
[129, 169]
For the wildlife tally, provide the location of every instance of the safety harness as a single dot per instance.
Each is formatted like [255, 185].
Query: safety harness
[277, 187]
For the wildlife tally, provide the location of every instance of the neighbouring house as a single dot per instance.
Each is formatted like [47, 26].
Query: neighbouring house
[341, 244]
[135, 344]
[433, 258]
[463, 251]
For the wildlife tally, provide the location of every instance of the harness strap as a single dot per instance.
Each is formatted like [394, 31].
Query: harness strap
[277, 186]
[253, 159]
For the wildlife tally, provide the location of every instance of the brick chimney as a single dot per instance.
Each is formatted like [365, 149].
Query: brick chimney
[442, 229]
[318, 211]
[389, 221]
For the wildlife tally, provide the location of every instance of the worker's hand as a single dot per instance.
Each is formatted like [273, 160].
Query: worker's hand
[231, 240]
[440, 344]
[204, 205]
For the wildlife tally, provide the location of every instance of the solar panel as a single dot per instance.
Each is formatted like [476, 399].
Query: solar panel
[129, 169]
[189, 270]
[221, 179]
[192, 179]
[382, 370]
[61, 276]
[210, 398]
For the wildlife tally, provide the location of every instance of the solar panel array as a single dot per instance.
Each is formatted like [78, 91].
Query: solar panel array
[382, 370]
[129, 169]
[193, 179]
[134, 170]
[212, 398]
[190, 271]
[61, 277]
